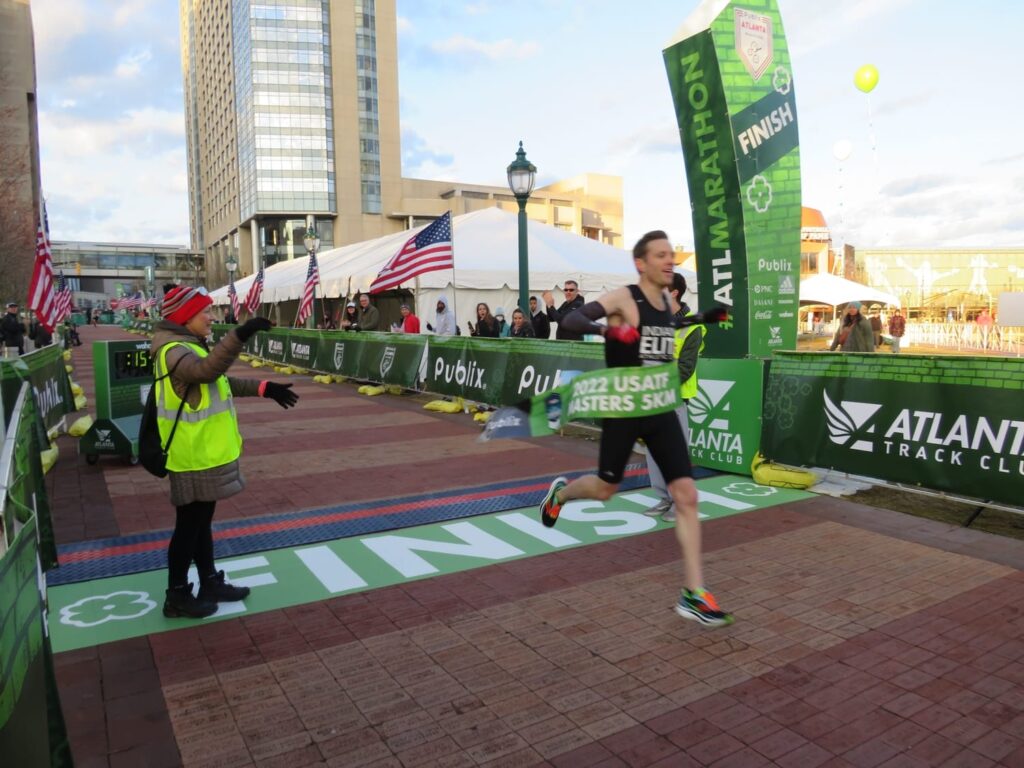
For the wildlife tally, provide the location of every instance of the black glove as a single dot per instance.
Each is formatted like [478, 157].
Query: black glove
[430, 327]
[714, 315]
[282, 393]
[251, 327]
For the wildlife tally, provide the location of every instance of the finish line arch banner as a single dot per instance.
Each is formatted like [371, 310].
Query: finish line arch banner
[732, 85]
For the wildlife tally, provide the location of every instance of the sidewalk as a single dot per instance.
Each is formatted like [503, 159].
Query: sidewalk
[863, 637]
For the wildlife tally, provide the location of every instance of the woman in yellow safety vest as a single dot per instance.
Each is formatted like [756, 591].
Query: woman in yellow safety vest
[205, 445]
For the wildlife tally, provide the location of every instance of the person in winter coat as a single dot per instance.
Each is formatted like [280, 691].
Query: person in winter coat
[202, 459]
[521, 327]
[38, 333]
[444, 319]
[350, 319]
[369, 315]
[854, 333]
[539, 320]
[503, 327]
[486, 325]
[13, 330]
[573, 301]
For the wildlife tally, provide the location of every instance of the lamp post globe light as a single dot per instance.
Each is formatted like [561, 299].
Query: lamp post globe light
[521, 175]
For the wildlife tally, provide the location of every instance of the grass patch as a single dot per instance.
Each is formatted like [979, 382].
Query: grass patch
[941, 510]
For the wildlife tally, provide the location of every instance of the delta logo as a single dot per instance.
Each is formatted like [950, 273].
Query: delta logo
[709, 412]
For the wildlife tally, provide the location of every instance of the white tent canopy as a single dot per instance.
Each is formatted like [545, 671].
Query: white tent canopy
[486, 244]
[833, 291]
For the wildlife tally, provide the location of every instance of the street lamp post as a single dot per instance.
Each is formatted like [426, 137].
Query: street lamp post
[312, 242]
[521, 175]
[231, 265]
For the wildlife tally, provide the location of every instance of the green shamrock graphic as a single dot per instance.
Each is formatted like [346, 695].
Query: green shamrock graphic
[99, 609]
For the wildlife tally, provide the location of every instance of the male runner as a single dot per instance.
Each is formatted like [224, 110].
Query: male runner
[640, 331]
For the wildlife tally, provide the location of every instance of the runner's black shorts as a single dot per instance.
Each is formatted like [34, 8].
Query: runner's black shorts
[663, 437]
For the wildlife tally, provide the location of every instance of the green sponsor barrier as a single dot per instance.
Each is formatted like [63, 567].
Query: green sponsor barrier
[947, 423]
[44, 370]
[105, 610]
[725, 415]
[732, 86]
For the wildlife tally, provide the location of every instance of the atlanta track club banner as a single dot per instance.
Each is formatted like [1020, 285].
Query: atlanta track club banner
[953, 424]
[732, 85]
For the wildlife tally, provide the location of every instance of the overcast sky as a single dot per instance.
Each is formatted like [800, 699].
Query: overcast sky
[583, 85]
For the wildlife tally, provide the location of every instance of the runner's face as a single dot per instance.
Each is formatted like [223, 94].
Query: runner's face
[658, 264]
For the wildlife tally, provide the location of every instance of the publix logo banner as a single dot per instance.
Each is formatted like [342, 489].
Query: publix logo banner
[466, 368]
[907, 420]
[725, 415]
[44, 369]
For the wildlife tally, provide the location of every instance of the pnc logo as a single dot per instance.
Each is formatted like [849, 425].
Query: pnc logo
[847, 419]
[710, 404]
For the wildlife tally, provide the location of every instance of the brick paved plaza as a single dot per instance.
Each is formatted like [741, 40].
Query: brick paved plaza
[863, 637]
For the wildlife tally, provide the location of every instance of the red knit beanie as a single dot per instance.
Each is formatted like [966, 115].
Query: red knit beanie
[183, 302]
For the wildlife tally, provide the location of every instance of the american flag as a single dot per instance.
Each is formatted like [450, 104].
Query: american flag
[429, 250]
[254, 298]
[63, 298]
[41, 296]
[233, 295]
[130, 302]
[309, 291]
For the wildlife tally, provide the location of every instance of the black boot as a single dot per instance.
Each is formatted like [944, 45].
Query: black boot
[181, 604]
[216, 590]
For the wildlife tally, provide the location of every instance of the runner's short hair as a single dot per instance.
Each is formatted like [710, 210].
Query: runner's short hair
[640, 249]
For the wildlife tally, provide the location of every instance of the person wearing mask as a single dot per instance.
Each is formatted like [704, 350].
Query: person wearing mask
[202, 458]
[444, 319]
[897, 327]
[573, 301]
[486, 326]
[369, 315]
[410, 323]
[539, 320]
[503, 327]
[689, 343]
[13, 330]
[350, 318]
[521, 327]
[854, 333]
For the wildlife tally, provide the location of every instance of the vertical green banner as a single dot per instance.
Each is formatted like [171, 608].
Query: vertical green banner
[44, 370]
[732, 86]
[725, 415]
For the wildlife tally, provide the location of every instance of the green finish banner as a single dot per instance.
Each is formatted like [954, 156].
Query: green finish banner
[732, 86]
[952, 424]
[725, 414]
[44, 370]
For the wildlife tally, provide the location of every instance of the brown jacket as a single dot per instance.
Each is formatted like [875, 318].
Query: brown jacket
[217, 482]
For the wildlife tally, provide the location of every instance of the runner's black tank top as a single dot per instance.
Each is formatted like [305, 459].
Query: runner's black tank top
[657, 336]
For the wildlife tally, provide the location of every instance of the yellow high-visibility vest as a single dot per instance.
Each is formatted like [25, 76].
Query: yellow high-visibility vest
[688, 388]
[207, 436]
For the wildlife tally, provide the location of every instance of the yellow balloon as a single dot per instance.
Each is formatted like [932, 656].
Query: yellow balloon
[866, 78]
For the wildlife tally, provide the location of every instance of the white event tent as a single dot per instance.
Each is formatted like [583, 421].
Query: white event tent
[834, 291]
[486, 244]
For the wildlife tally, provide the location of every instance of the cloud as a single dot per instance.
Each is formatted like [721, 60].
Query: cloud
[468, 48]
[418, 160]
[916, 184]
[55, 22]
[898, 105]
[131, 64]
[811, 24]
[477, 9]
[403, 25]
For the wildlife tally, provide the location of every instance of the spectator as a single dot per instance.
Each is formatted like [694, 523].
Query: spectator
[984, 323]
[350, 320]
[897, 327]
[444, 319]
[13, 329]
[369, 315]
[573, 301]
[521, 328]
[503, 327]
[539, 320]
[39, 334]
[96, 316]
[410, 323]
[854, 333]
[71, 336]
[486, 325]
[876, 328]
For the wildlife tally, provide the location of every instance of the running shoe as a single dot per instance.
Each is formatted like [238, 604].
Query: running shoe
[701, 606]
[660, 508]
[551, 506]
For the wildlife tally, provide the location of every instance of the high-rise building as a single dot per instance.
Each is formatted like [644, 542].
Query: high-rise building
[291, 111]
[19, 150]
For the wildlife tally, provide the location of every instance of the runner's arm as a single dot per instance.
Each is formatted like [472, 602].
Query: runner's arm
[709, 317]
[583, 319]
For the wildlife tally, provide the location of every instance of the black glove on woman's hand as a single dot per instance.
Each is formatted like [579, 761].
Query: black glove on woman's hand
[282, 393]
[250, 328]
